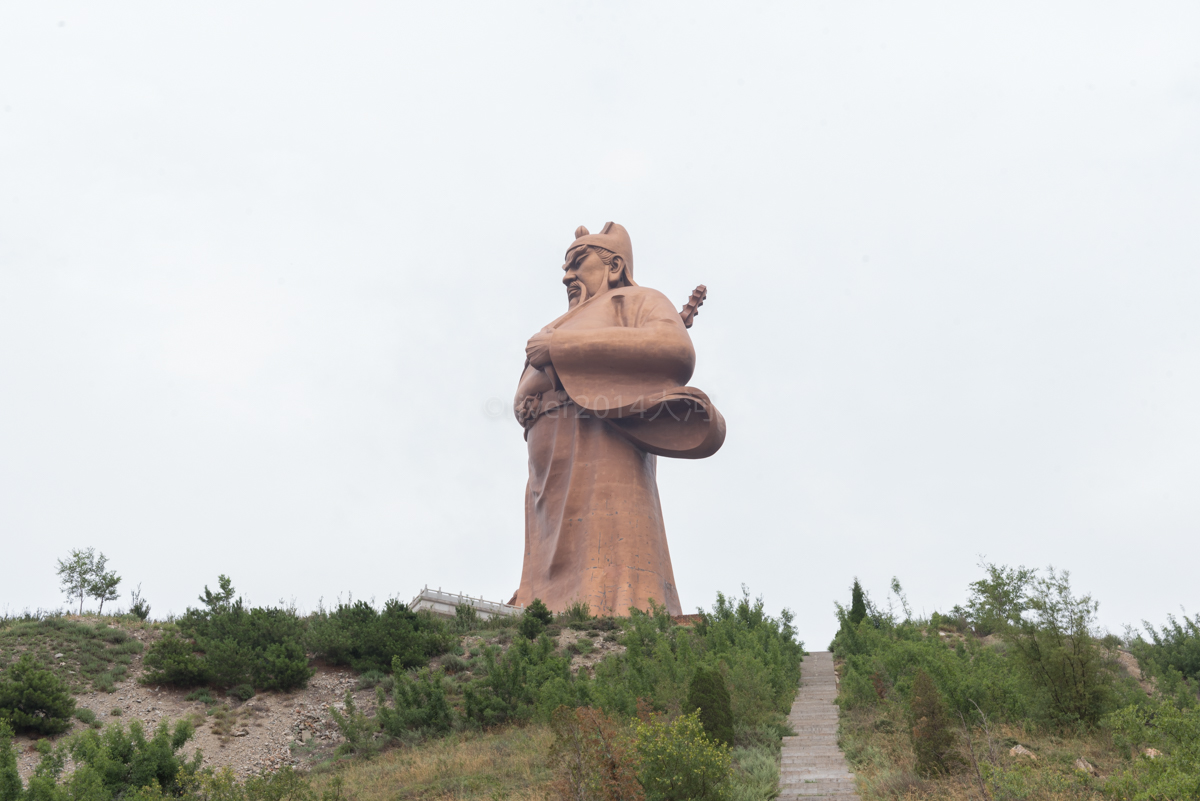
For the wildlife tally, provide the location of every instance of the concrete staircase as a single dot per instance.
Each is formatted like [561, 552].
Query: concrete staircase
[812, 765]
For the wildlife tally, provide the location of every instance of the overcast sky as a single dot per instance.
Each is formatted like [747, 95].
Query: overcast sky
[267, 271]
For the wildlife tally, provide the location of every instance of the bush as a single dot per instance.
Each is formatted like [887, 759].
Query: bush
[858, 604]
[11, 787]
[364, 638]
[1051, 667]
[708, 695]
[419, 704]
[227, 645]
[679, 762]
[575, 616]
[1176, 646]
[530, 680]
[138, 606]
[122, 761]
[1053, 634]
[539, 610]
[242, 692]
[34, 699]
[592, 757]
[202, 695]
[1175, 734]
[87, 717]
[933, 739]
[356, 727]
[173, 660]
[531, 626]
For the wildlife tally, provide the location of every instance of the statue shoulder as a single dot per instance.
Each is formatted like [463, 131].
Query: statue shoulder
[644, 295]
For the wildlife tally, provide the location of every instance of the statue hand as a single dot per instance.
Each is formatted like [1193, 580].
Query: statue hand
[538, 349]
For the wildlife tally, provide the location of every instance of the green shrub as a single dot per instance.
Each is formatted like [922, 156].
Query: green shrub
[201, 695]
[1176, 646]
[679, 762]
[858, 604]
[138, 606]
[576, 616]
[121, 760]
[1052, 632]
[356, 727]
[173, 660]
[1175, 734]
[531, 626]
[364, 638]
[11, 787]
[1050, 668]
[529, 680]
[371, 678]
[466, 619]
[709, 697]
[453, 664]
[242, 692]
[933, 739]
[539, 610]
[419, 705]
[87, 716]
[34, 699]
[227, 645]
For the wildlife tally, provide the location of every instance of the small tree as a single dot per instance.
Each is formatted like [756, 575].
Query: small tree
[858, 603]
[708, 694]
[932, 737]
[138, 605]
[76, 573]
[34, 699]
[103, 583]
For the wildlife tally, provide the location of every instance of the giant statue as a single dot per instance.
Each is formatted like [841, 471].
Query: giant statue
[603, 394]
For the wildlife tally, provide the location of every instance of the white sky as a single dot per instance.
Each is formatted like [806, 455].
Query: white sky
[267, 271]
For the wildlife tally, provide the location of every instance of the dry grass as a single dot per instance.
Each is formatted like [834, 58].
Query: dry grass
[877, 744]
[504, 764]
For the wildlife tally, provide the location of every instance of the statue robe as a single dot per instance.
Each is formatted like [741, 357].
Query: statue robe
[612, 401]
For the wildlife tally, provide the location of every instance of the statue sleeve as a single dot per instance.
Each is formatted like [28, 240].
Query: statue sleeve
[628, 361]
[626, 350]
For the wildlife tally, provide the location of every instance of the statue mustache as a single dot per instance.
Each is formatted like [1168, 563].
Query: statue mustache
[577, 284]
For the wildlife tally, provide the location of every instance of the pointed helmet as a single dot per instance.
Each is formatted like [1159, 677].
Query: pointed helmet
[612, 237]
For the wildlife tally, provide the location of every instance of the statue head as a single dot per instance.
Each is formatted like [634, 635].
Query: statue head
[596, 263]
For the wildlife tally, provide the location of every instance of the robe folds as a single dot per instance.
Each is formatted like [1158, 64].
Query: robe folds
[613, 399]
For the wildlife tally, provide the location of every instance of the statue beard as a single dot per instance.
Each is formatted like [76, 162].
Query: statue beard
[580, 298]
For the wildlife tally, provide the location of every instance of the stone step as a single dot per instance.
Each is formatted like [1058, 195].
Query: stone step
[811, 764]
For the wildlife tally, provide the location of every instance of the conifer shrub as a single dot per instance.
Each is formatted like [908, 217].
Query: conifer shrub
[224, 644]
[531, 626]
[539, 610]
[933, 738]
[708, 695]
[11, 787]
[33, 699]
[364, 638]
[858, 604]
[419, 705]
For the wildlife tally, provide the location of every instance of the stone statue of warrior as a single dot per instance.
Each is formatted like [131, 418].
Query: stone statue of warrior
[602, 395]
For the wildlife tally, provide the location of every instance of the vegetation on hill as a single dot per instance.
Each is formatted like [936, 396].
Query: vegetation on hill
[1015, 694]
[441, 695]
[85, 655]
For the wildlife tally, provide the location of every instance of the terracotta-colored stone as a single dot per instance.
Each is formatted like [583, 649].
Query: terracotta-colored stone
[602, 395]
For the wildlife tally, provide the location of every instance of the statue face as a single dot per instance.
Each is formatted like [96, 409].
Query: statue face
[585, 276]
